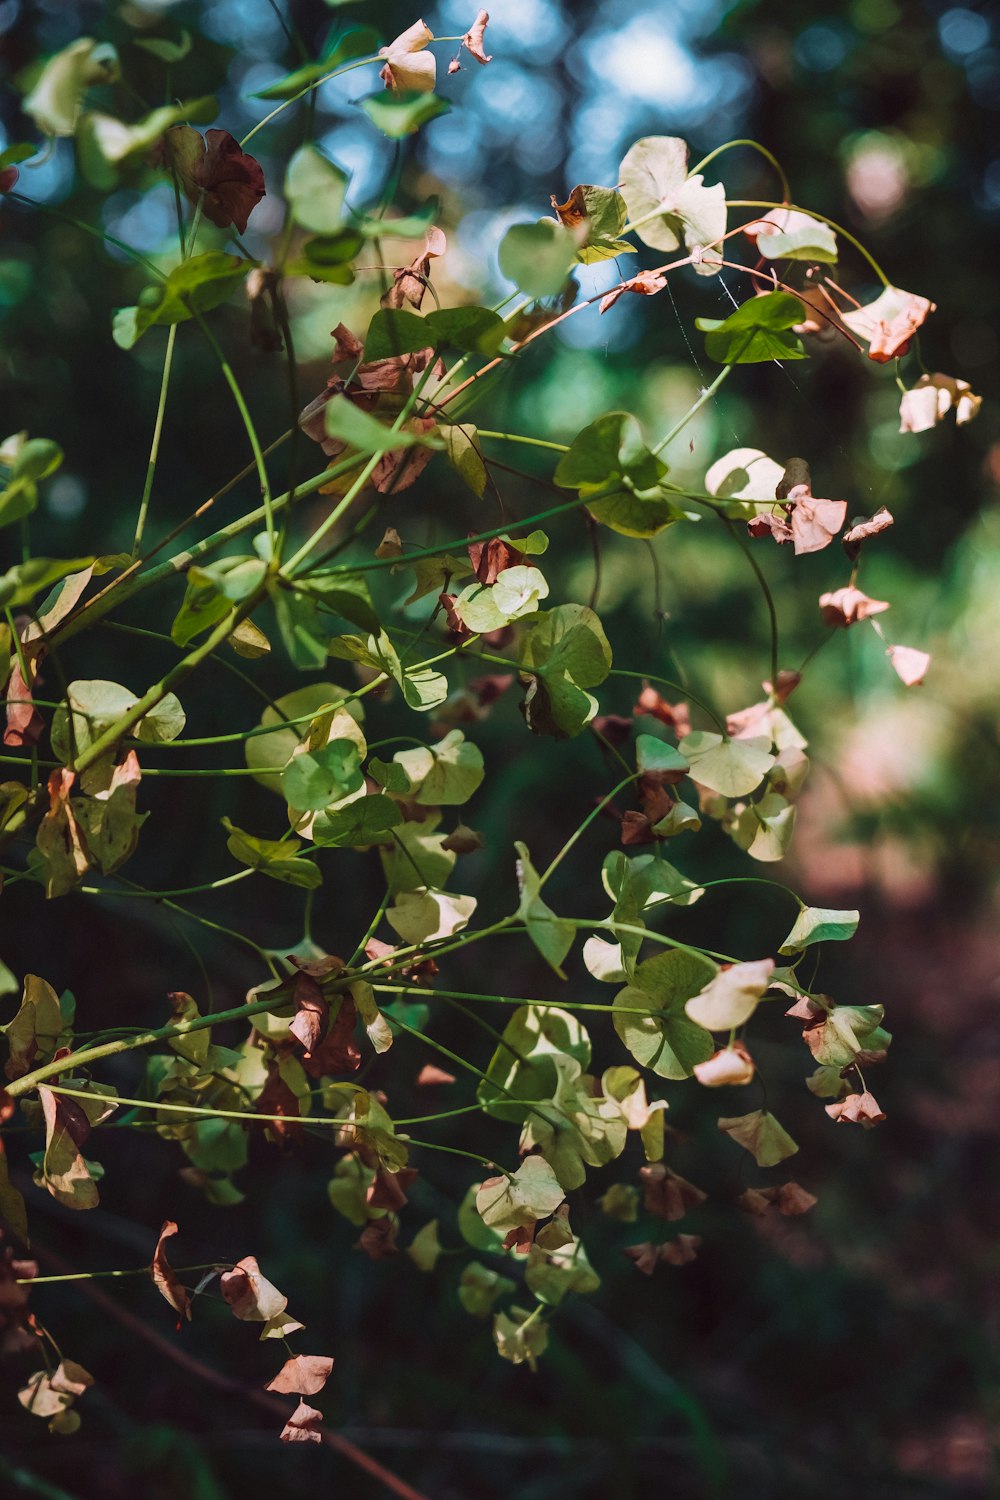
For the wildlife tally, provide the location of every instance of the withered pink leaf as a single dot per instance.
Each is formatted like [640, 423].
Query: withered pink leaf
[25, 724]
[790, 1199]
[667, 1195]
[680, 1251]
[644, 284]
[889, 323]
[770, 523]
[491, 558]
[675, 715]
[407, 65]
[814, 522]
[277, 1098]
[857, 1109]
[302, 1375]
[60, 839]
[409, 283]
[861, 530]
[909, 664]
[378, 1238]
[303, 1426]
[216, 172]
[847, 605]
[388, 1189]
[784, 687]
[309, 1024]
[726, 1068]
[931, 399]
[163, 1275]
[250, 1295]
[463, 840]
[644, 1256]
[472, 41]
[338, 1052]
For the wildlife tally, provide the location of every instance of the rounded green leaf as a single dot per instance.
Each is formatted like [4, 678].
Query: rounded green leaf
[537, 258]
[649, 1014]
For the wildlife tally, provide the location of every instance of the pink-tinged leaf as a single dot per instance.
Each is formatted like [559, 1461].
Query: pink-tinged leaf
[909, 664]
[862, 530]
[730, 1067]
[790, 1199]
[302, 1375]
[675, 715]
[847, 605]
[889, 323]
[770, 523]
[250, 1295]
[303, 1426]
[60, 839]
[163, 1275]
[857, 1109]
[932, 398]
[407, 65]
[644, 284]
[472, 41]
[665, 1194]
[215, 172]
[814, 522]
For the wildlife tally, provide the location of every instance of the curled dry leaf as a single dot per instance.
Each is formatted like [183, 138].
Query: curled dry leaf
[676, 1252]
[644, 284]
[215, 172]
[163, 1275]
[667, 1195]
[391, 544]
[303, 1426]
[790, 1199]
[732, 996]
[388, 1189]
[771, 523]
[675, 715]
[407, 65]
[814, 522]
[378, 1238]
[302, 1375]
[847, 605]
[857, 1109]
[60, 839]
[473, 39]
[909, 664]
[889, 323]
[252, 1298]
[409, 283]
[932, 398]
[861, 530]
[730, 1066]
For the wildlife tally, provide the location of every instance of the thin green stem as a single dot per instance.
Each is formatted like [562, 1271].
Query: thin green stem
[747, 551]
[287, 103]
[692, 411]
[516, 437]
[251, 431]
[154, 447]
[579, 832]
[786, 190]
[837, 228]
